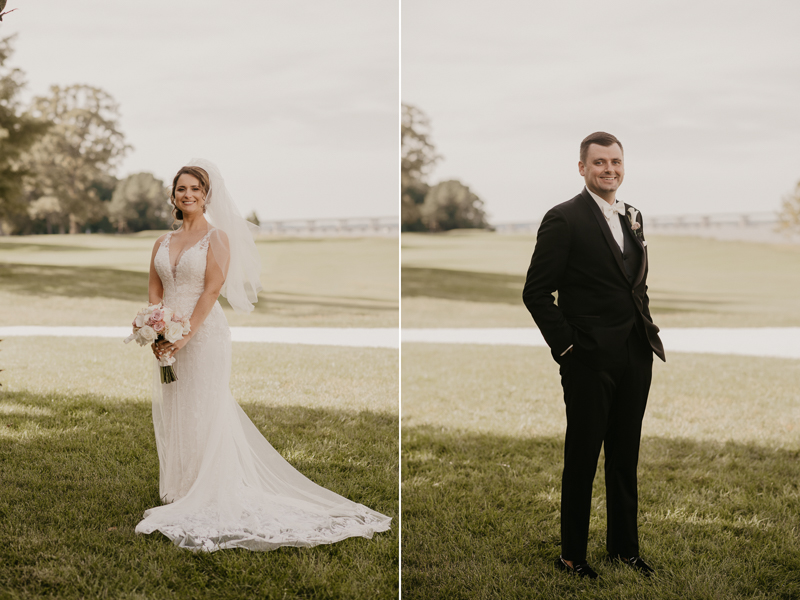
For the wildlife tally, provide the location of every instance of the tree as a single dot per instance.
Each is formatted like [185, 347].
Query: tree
[451, 205]
[18, 131]
[417, 160]
[253, 218]
[79, 152]
[789, 217]
[140, 201]
[47, 209]
[104, 190]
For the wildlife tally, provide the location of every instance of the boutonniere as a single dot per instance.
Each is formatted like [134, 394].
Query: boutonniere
[636, 227]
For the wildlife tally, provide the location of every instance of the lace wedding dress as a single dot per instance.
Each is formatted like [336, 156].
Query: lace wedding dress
[223, 484]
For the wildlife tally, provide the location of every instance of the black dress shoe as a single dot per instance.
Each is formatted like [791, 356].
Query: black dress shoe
[637, 564]
[581, 569]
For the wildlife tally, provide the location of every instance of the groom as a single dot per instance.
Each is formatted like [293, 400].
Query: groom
[591, 252]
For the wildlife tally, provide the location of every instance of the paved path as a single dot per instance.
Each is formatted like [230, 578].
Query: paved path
[748, 341]
[385, 337]
[780, 342]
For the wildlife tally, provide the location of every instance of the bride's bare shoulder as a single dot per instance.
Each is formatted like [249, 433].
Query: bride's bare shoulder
[159, 241]
[220, 236]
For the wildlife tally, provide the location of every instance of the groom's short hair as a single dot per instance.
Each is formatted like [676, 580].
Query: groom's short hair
[601, 138]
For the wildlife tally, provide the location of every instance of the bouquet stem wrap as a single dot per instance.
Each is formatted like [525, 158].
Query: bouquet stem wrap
[167, 372]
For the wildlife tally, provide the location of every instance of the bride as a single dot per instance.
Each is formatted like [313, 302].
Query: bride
[223, 485]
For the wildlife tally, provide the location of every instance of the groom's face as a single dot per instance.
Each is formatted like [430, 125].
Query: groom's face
[603, 170]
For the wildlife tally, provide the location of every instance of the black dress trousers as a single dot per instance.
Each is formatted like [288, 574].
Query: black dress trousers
[605, 407]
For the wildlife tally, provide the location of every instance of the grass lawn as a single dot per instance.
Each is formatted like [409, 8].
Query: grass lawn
[315, 282]
[516, 391]
[482, 457]
[475, 279]
[78, 467]
[483, 430]
[78, 463]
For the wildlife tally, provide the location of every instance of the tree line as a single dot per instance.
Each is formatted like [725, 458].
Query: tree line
[58, 156]
[440, 207]
[789, 217]
[451, 205]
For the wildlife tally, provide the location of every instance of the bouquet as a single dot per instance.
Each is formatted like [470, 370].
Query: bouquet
[158, 322]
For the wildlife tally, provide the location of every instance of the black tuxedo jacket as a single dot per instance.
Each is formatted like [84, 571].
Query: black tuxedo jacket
[598, 303]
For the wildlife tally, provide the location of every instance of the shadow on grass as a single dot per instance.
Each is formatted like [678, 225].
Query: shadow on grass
[678, 302]
[98, 282]
[73, 282]
[462, 285]
[320, 304]
[481, 520]
[77, 473]
[33, 247]
[502, 288]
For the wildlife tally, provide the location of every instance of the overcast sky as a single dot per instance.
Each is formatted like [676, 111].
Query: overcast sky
[295, 100]
[704, 95]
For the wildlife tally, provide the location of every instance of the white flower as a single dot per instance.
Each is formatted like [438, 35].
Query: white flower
[173, 331]
[634, 214]
[168, 312]
[187, 325]
[146, 335]
[144, 314]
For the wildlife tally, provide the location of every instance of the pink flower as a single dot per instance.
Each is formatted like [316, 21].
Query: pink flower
[636, 226]
[158, 315]
[158, 326]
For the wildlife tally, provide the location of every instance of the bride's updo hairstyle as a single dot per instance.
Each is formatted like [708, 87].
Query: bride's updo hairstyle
[201, 176]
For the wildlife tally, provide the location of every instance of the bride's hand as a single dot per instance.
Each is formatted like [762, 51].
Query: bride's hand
[165, 348]
[161, 349]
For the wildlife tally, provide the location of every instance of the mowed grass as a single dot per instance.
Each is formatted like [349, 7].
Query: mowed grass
[78, 467]
[719, 478]
[481, 520]
[475, 279]
[483, 430]
[102, 280]
[78, 463]
[516, 391]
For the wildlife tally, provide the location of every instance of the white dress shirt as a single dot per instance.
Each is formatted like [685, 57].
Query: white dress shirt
[611, 217]
[610, 212]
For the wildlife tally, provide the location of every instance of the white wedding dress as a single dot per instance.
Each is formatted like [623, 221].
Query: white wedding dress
[223, 484]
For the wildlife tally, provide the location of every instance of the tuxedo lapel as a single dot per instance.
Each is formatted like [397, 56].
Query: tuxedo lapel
[603, 224]
[643, 266]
